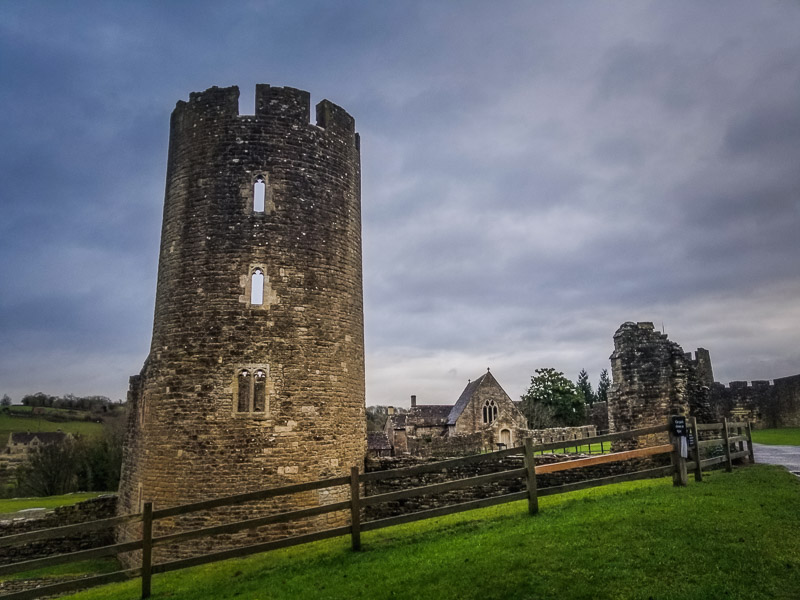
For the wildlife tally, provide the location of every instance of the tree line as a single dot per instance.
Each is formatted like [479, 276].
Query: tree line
[68, 401]
[76, 464]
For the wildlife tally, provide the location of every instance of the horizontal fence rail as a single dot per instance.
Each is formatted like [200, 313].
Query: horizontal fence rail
[57, 532]
[249, 497]
[526, 476]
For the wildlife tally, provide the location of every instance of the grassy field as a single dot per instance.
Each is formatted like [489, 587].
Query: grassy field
[603, 448]
[13, 505]
[735, 535]
[96, 566]
[789, 436]
[9, 424]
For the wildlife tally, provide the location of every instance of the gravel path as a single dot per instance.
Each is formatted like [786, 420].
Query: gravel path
[786, 456]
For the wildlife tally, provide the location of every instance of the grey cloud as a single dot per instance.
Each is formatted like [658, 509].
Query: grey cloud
[767, 133]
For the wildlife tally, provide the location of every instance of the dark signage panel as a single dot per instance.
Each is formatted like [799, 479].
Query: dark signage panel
[679, 426]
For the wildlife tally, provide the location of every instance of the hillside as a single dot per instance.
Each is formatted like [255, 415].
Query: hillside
[12, 423]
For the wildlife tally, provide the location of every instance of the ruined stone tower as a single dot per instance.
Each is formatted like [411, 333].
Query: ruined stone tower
[652, 378]
[255, 376]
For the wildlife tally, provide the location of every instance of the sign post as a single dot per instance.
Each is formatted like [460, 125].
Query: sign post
[678, 433]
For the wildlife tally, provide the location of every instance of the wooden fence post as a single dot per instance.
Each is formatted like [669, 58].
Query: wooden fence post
[749, 430]
[698, 471]
[679, 476]
[725, 438]
[147, 548]
[355, 510]
[530, 478]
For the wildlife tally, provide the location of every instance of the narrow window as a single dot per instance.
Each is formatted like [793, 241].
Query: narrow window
[259, 194]
[259, 391]
[489, 411]
[243, 400]
[257, 287]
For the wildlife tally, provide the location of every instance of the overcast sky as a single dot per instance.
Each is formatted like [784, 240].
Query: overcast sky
[534, 174]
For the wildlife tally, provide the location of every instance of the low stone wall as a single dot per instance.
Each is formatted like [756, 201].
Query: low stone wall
[449, 446]
[562, 434]
[598, 416]
[102, 507]
[496, 488]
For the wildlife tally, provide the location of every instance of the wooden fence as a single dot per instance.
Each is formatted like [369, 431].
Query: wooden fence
[732, 433]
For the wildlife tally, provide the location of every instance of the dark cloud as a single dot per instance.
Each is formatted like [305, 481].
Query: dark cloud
[533, 175]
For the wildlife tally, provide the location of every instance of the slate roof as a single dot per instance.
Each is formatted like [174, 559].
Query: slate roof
[377, 440]
[398, 419]
[429, 414]
[422, 415]
[46, 437]
[464, 399]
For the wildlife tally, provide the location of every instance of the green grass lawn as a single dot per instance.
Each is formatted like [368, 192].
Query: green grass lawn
[790, 436]
[603, 448]
[13, 505]
[735, 535]
[9, 424]
[97, 566]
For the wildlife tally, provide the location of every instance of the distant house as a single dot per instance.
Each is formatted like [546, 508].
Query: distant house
[482, 408]
[378, 444]
[21, 444]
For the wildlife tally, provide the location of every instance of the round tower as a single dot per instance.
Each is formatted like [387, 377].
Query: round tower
[255, 376]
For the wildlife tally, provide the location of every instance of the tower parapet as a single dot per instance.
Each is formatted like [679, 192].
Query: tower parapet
[255, 376]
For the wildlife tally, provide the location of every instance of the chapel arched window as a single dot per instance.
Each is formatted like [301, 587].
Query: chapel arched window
[489, 412]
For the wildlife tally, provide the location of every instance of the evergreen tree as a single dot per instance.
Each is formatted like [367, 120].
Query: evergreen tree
[549, 388]
[602, 386]
[585, 388]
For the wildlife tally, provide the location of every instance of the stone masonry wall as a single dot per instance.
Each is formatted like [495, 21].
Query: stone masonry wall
[187, 440]
[497, 488]
[787, 402]
[652, 378]
[561, 434]
[649, 380]
[101, 507]
[763, 403]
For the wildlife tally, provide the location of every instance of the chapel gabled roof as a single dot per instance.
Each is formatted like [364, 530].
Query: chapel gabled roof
[464, 399]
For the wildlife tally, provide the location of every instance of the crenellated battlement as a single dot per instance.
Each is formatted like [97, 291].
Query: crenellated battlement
[757, 384]
[215, 101]
[290, 105]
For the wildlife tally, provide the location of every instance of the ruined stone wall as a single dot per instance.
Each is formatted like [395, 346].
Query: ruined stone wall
[763, 403]
[188, 440]
[787, 402]
[94, 509]
[650, 376]
[742, 401]
[598, 416]
[448, 446]
[496, 488]
[653, 379]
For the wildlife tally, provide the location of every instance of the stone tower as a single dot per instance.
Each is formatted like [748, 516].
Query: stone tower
[652, 379]
[255, 376]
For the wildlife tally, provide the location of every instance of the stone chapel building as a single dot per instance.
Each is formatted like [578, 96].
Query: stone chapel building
[483, 418]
